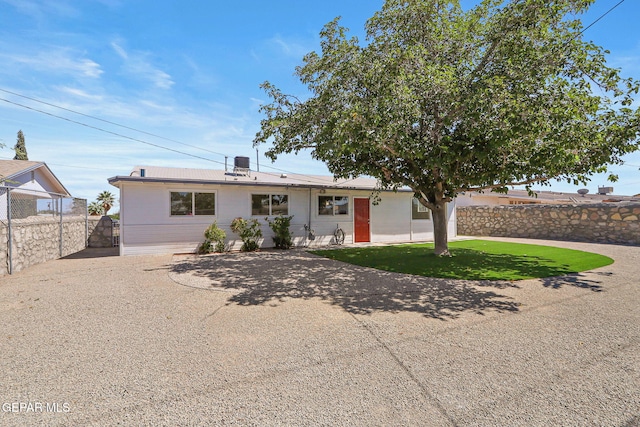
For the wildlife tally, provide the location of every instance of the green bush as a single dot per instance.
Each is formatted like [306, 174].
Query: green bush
[280, 225]
[214, 240]
[249, 232]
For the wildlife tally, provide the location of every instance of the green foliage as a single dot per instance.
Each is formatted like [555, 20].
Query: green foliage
[280, 226]
[95, 208]
[106, 200]
[473, 260]
[445, 100]
[20, 148]
[214, 240]
[249, 232]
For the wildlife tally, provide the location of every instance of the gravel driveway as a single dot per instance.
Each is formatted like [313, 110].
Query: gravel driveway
[287, 338]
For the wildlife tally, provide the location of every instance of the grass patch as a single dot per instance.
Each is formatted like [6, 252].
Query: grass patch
[472, 260]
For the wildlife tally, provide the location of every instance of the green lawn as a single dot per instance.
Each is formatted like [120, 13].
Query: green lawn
[472, 260]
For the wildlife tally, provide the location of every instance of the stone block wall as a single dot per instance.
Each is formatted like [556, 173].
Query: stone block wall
[617, 223]
[37, 239]
[100, 232]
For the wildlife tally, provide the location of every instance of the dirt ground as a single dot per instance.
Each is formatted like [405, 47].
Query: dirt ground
[287, 338]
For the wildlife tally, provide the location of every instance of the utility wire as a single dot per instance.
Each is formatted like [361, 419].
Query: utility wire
[176, 141]
[110, 122]
[109, 132]
[601, 16]
[311, 179]
[67, 166]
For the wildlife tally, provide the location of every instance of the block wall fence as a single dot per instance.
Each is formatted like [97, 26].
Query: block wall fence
[616, 223]
[37, 239]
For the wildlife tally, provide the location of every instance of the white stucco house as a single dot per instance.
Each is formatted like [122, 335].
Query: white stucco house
[33, 186]
[166, 210]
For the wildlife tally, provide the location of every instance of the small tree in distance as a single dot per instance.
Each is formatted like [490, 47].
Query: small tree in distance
[444, 100]
[106, 200]
[20, 148]
[95, 208]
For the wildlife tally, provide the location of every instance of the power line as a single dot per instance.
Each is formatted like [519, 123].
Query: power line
[110, 132]
[110, 122]
[310, 178]
[67, 166]
[599, 18]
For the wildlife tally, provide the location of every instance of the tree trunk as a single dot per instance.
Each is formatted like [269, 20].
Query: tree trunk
[440, 237]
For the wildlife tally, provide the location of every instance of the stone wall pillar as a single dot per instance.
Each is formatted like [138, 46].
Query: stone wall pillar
[100, 232]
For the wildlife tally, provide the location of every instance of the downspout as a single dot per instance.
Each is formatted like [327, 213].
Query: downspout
[9, 233]
[309, 222]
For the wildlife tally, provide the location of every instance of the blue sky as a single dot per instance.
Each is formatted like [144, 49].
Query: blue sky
[188, 72]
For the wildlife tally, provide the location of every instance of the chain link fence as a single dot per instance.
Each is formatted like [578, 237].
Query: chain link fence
[37, 226]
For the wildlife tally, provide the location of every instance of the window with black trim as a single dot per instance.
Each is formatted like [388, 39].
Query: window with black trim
[333, 205]
[419, 211]
[188, 203]
[269, 204]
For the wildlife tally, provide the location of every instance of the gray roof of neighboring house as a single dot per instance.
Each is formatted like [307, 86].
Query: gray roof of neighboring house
[211, 176]
[10, 169]
[559, 197]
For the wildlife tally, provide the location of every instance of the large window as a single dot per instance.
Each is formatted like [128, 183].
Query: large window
[187, 203]
[333, 205]
[419, 211]
[269, 204]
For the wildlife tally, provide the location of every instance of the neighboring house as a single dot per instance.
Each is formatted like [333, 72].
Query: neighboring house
[521, 197]
[33, 186]
[166, 210]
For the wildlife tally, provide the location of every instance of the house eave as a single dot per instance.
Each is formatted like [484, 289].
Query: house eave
[117, 180]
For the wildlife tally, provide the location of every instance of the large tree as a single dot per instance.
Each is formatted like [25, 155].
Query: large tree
[20, 148]
[444, 100]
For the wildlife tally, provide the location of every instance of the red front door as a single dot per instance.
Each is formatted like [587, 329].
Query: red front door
[361, 220]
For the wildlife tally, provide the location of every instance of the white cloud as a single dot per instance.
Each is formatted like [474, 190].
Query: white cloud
[137, 64]
[289, 47]
[43, 9]
[58, 60]
[80, 93]
[119, 50]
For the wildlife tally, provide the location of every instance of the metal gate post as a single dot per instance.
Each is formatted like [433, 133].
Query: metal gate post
[9, 234]
[86, 225]
[60, 212]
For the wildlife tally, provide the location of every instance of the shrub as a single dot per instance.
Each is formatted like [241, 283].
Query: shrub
[249, 232]
[214, 240]
[280, 225]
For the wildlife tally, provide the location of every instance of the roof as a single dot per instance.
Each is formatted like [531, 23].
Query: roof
[12, 169]
[253, 178]
[557, 197]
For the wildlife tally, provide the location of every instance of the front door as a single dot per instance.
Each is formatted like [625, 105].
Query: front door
[361, 220]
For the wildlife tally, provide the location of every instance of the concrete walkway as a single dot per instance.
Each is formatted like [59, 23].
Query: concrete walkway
[286, 338]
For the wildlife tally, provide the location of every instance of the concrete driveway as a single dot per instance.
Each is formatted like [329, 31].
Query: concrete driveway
[287, 338]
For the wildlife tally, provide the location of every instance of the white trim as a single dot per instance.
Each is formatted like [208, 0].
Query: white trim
[333, 211]
[193, 203]
[270, 194]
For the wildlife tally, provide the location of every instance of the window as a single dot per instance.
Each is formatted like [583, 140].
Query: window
[269, 204]
[333, 205]
[418, 210]
[205, 203]
[185, 203]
